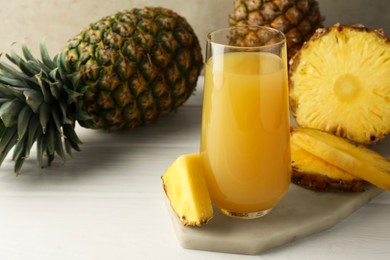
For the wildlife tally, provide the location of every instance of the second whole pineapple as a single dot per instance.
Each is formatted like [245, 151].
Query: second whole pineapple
[122, 71]
[297, 19]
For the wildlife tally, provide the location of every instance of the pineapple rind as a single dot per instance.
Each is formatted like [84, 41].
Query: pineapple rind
[297, 19]
[186, 189]
[314, 173]
[135, 50]
[359, 109]
[356, 160]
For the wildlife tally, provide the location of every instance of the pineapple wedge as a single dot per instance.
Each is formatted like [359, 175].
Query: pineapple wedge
[313, 173]
[185, 186]
[356, 160]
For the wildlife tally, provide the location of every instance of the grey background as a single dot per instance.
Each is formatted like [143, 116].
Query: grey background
[59, 20]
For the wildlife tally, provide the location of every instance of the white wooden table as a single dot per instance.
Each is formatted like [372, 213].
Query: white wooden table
[106, 203]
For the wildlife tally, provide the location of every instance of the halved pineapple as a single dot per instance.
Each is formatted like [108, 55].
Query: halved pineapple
[358, 161]
[314, 173]
[340, 83]
[185, 186]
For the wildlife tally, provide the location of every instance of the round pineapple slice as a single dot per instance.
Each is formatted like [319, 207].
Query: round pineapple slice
[340, 83]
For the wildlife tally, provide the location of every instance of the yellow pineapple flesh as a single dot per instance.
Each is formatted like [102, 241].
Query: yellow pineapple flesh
[314, 173]
[339, 83]
[185, 186]
[358, 161]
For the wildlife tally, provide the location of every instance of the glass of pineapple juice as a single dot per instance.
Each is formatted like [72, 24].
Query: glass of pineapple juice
[245, 146]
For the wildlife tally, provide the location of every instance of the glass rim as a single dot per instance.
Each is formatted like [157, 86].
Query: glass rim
[230, 28]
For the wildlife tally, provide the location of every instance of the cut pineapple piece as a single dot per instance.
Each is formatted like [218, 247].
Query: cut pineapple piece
[314, 173]
[355, 160]
[185, 186]
[339, 83]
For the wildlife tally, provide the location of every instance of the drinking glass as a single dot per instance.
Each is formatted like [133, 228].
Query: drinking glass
[245, 146]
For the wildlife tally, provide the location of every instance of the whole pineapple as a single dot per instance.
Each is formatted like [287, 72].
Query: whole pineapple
[339, 83]
[297, 19]
[122, 71]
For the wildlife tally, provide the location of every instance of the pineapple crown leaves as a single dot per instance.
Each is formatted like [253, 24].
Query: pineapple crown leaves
[38, 104]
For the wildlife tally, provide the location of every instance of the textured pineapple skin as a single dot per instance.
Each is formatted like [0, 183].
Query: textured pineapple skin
[297, 19]
[372, 127]
[133, 67]
[323, 183]
[186, 189]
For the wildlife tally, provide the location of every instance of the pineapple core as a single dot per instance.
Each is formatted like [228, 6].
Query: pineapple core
[347, 87]
[185, 186]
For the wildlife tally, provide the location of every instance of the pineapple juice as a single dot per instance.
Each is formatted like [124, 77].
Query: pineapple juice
[245, 131]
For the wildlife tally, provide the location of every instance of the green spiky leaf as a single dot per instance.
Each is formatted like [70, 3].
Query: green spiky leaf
[27, 53]
[8, 139]
[33, 132]
[56, 119]
[44, 116]
[19, 149]
[47, 97]
[41, 147]
[34, 108]
[58, 145]
[23, 121]
[45, 56]
[11, 92]
[3, 100]
[9, 112]
[34, 99]
[71, 137]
